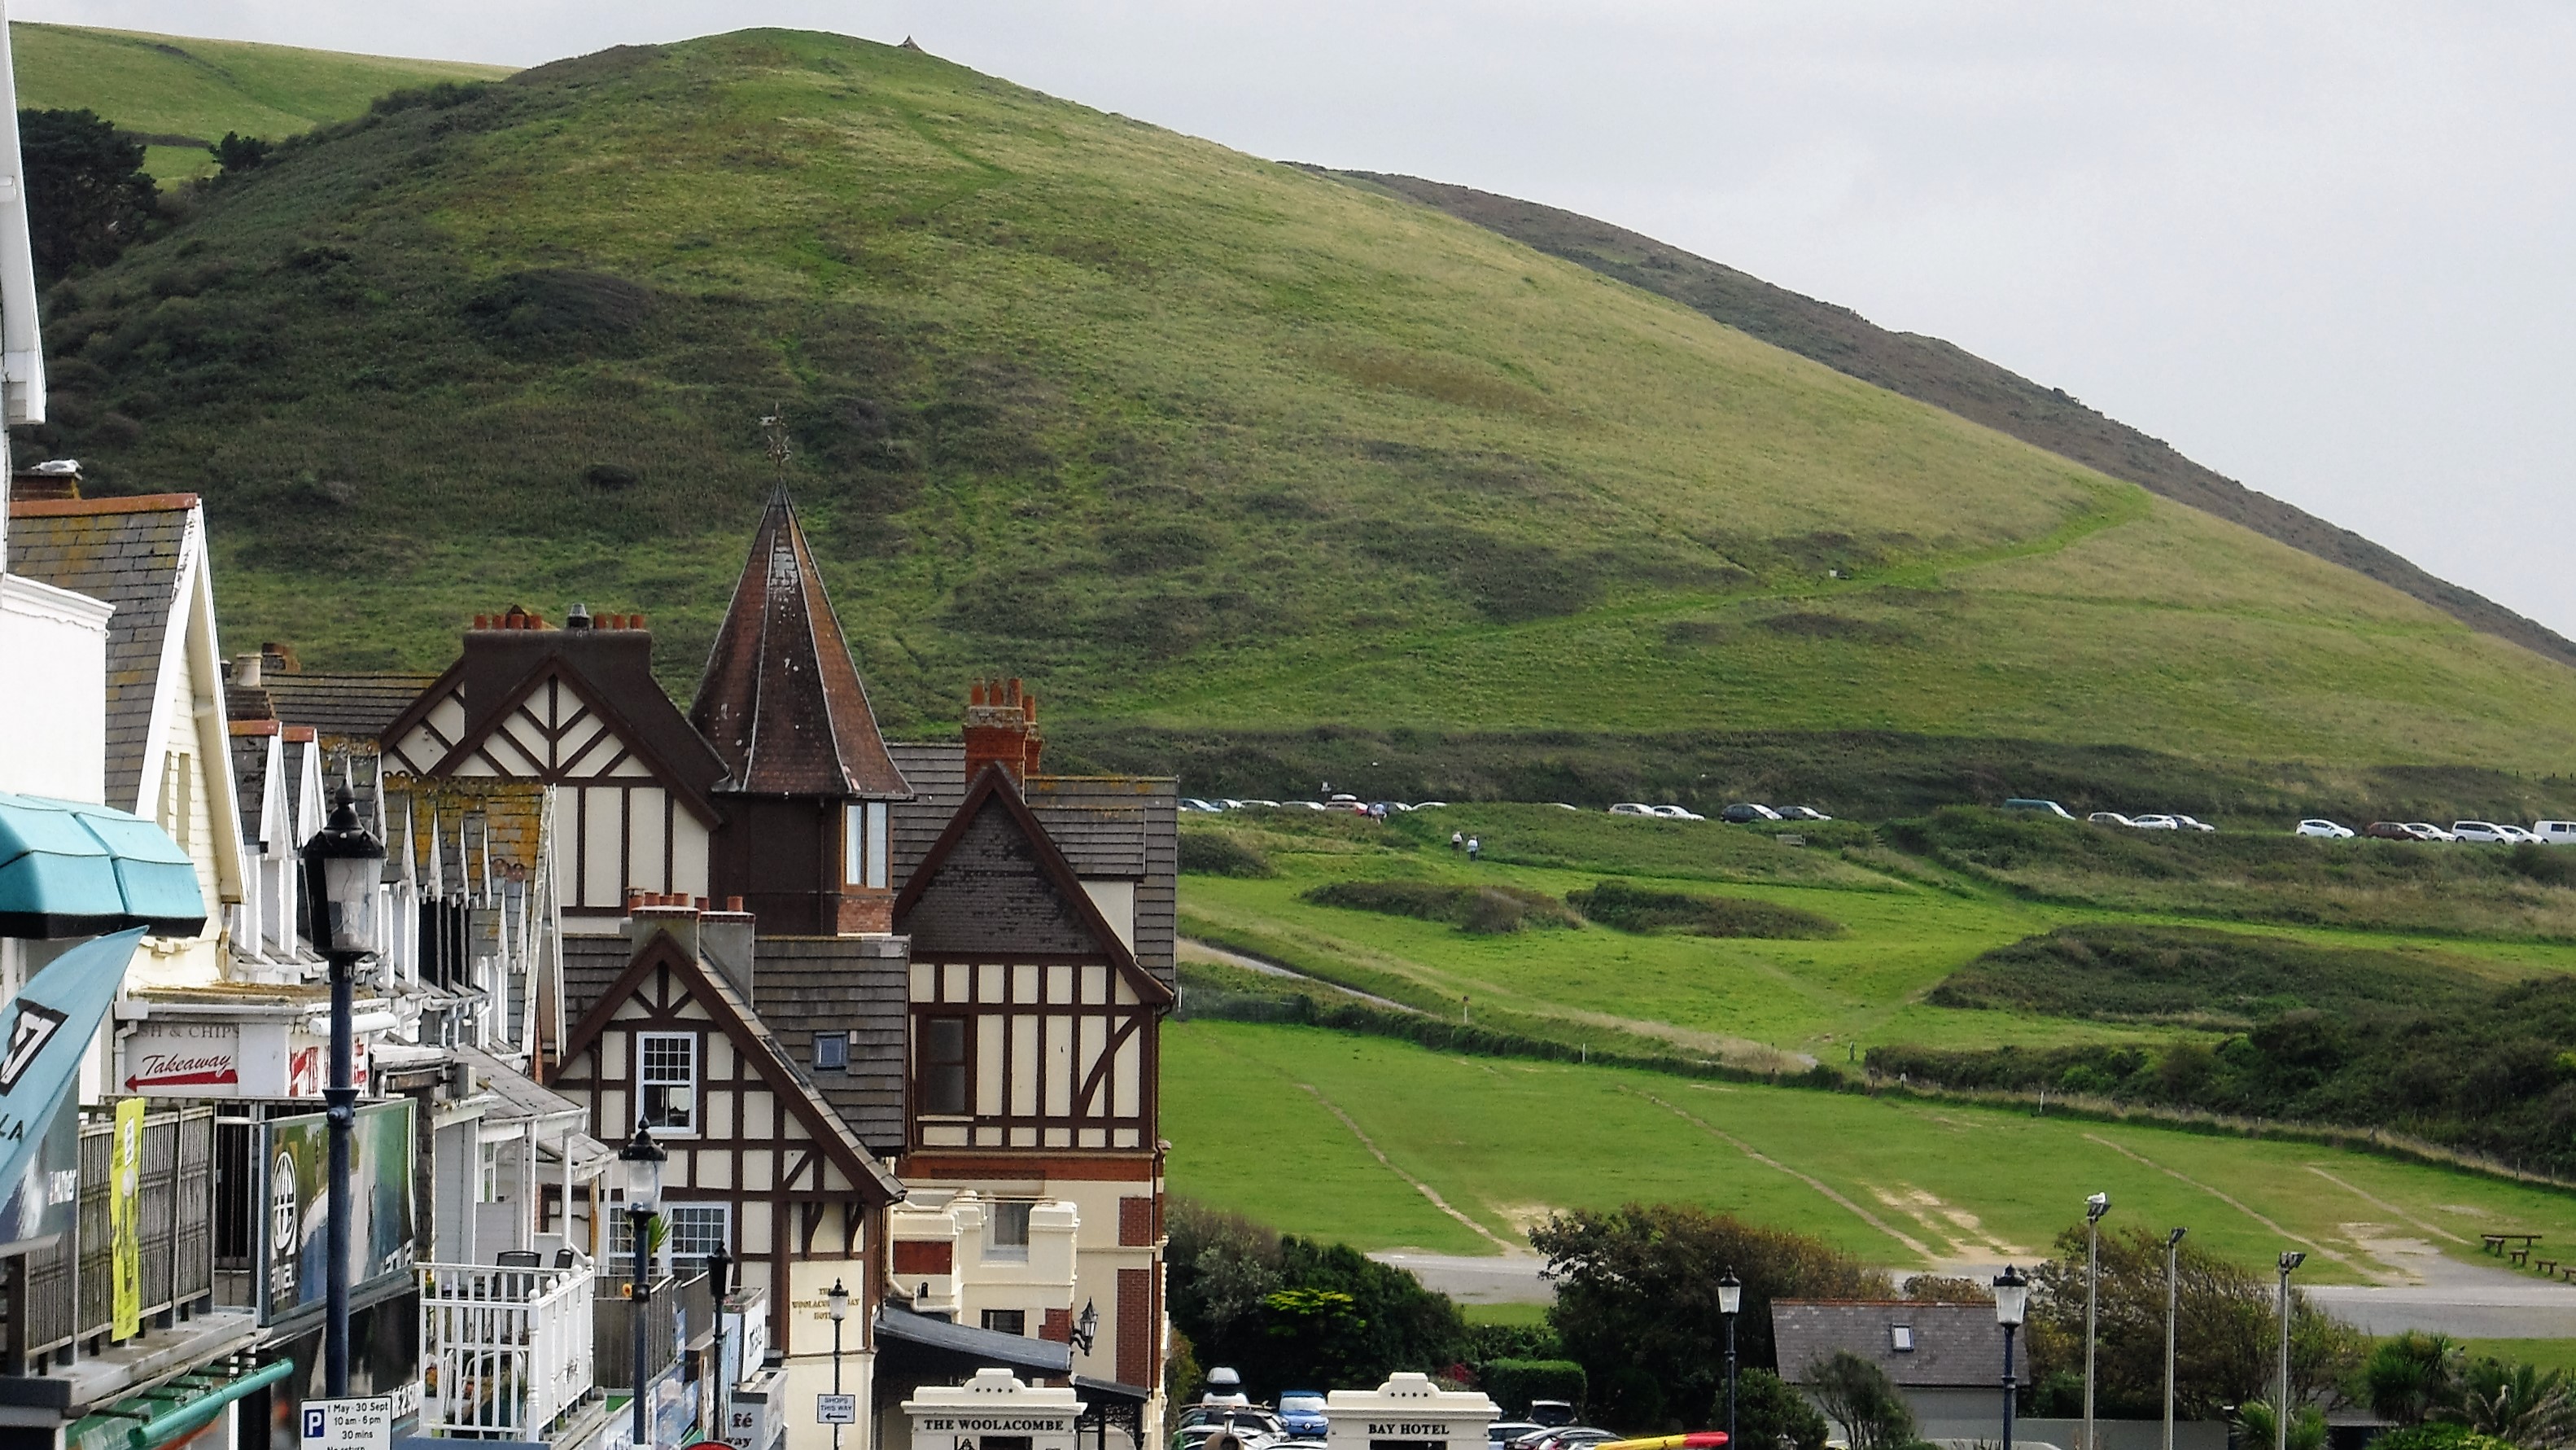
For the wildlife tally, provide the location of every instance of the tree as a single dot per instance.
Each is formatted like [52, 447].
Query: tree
[2227, 1341]
[237, 153]
[1287, 1312]
[2531, 1407]
[1770, 1414]
[1636, 1302]
[1866, 1402]
[88, 197]
[2409, 1377]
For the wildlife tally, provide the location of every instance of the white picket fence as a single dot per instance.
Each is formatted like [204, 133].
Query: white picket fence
[505, 1352]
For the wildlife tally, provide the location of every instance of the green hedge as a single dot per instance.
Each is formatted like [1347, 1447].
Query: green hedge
[1513, 1383]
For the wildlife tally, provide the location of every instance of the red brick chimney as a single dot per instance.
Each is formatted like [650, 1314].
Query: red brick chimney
[1002, 728]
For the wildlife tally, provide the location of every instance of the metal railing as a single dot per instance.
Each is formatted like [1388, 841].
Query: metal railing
[505, 1352]
[68, 1290]
[680, 1309]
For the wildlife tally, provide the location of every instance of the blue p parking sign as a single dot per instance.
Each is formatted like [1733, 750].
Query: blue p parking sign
[313, 1422]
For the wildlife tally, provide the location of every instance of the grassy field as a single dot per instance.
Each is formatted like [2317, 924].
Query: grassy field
[171, 87]
[1269, 1121]
[1193, 440]
[1908, 923]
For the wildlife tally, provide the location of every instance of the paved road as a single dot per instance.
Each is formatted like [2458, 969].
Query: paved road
[2470, 1301]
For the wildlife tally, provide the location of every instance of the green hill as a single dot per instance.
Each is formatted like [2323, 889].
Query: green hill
[1203, 443]
[182, 94]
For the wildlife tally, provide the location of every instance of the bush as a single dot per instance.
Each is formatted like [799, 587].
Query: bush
[1216, 853]
[1625, 906]
[1486, 910]
[1861, 1396]
[1770, 1414]
[1513, 1383]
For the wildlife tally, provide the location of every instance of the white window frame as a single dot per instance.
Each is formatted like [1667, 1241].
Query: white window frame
[682, 1259]
[994, 1248]
[644, 1045]
[864, 854]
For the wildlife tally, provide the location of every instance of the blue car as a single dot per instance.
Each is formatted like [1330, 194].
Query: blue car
[1301, 1414]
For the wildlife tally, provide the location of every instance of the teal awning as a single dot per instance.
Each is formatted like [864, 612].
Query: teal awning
[68, 870]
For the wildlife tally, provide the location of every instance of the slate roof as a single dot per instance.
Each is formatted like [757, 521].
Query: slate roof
[128, 552]
[1106, 826]
[360, 705]
[250, 780]
[859, 985]
[1955, 1345]
[781, 700]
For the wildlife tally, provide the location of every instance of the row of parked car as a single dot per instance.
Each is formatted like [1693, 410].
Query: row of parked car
[1338, 801]
[1224, 1413]
[2487, 833]
[1742, 813]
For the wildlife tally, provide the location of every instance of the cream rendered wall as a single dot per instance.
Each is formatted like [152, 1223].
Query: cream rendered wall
[53, 723]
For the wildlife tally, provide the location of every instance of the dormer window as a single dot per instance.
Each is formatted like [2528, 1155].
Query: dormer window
[863, 843]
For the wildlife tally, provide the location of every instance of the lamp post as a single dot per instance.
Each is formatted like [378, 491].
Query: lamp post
[2094, 1207]
[836, 1302]
[343, 867]
[719, 1279]
[1730, 1299]
[2173, 1301]
[640, 1161]
[2012, 1301]
[2290, 1259]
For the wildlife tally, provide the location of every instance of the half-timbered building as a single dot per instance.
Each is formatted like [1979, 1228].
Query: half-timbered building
[758, 1161]
[577, 709]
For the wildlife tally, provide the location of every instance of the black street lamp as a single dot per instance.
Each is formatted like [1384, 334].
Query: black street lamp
[640, 1164]
[1086, 1328]
[719, 1279]
[836, 1302]
[2173, 1305]
[343, 868]
[2094, 1207]
[2012, 1301]
[1730, 1299]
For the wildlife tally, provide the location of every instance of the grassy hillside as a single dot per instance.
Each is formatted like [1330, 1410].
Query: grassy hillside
[182, 94]
[1942, 374]
[1200, 442]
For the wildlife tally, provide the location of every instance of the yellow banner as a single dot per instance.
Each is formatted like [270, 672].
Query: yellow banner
[125, 1221]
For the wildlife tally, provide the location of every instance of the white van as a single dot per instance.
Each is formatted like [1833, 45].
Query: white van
[2554, 833]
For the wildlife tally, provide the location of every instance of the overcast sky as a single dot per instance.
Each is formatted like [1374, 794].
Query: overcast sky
[2328, 249]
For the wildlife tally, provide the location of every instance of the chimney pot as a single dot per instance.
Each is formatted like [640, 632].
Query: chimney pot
[635, 621]
[246, 671]
[577, 617]
[733, 903]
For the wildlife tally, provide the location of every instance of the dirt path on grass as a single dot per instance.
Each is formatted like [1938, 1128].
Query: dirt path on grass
[1913, 1245]
[1425, 1189]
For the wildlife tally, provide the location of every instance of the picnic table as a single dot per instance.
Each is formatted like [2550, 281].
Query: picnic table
[2495, 1242]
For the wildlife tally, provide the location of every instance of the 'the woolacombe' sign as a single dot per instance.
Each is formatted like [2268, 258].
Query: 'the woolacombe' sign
[992, 1411]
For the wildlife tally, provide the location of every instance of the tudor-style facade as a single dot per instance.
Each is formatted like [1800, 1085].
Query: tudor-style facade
[757, 1160]
[577, 709]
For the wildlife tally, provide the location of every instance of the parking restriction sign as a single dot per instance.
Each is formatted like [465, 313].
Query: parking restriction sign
[364, 1422]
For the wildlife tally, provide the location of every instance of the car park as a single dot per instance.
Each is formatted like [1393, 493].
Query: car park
[2155, 823]
[2109, 818]
[2485, 833]
[1677, 813]
[1745, 813]
[1632, 808]
[1301, 1413]
[1803, 813]
[2038, 807]
[2325, 830]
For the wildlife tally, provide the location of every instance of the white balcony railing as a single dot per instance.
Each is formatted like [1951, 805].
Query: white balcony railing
[505, 1352]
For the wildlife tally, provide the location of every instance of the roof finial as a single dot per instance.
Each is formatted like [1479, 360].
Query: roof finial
[773, 430]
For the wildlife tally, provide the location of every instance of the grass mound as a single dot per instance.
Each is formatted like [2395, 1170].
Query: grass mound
[1223, 853]
[1626, 906]
[2217, 978]
[2266, 876]
[1482, 910]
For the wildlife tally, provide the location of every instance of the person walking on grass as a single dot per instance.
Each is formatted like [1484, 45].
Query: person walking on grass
[1457, 842]
[1473, 846]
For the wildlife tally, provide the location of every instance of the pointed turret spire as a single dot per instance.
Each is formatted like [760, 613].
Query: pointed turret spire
[780, 700]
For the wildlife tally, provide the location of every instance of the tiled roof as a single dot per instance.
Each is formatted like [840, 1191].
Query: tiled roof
[128, 552]
[342, 704]
[781, 700]
[811, 986]
[1106, 826]
[1954, 1344]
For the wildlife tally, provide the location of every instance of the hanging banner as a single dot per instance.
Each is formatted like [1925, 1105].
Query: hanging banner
[125, 1222]
[297, 1155]
[44, 1032]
